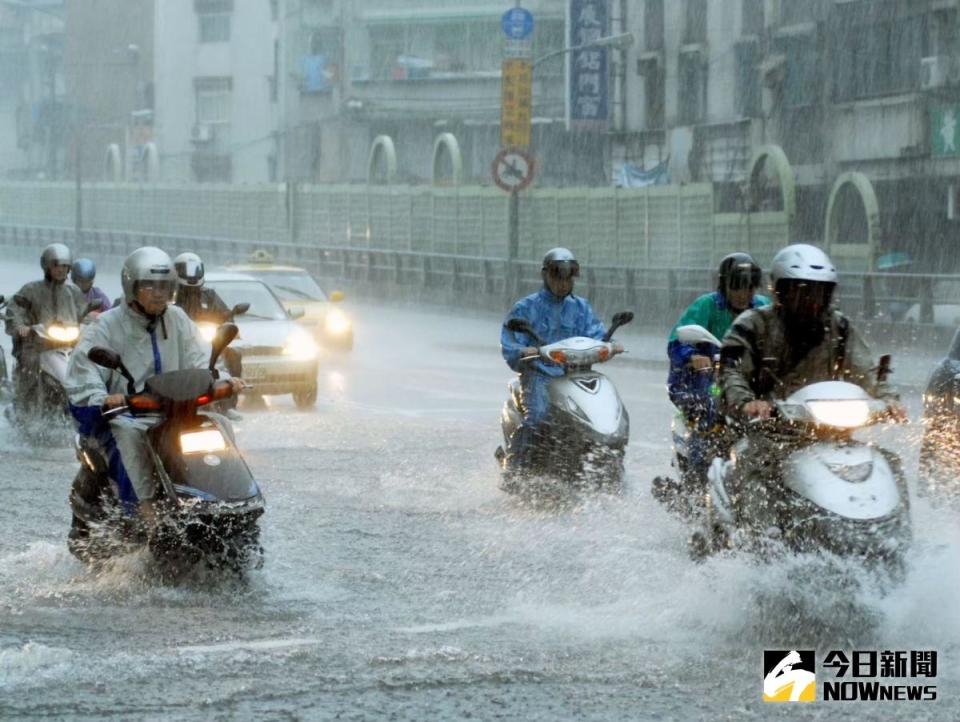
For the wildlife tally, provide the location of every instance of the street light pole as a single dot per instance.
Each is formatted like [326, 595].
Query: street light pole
[619, 42]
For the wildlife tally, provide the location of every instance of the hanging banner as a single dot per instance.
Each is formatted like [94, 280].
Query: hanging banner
[588, 96]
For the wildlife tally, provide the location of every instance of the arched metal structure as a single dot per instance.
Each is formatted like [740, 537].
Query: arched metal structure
[788, 183]
[382, 162]
[862, 250]
[151, 162]
[112, 164]
[447, 144]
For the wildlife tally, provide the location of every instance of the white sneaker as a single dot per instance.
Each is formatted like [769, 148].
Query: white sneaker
[233, 415]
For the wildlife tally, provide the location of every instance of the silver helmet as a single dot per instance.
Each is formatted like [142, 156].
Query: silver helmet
[189, 269]
[56, 254]
[147, 264]
[560, 262]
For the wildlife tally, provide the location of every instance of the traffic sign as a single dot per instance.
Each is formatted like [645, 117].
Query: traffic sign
[513, 169]
[516, 102]
[517, 23]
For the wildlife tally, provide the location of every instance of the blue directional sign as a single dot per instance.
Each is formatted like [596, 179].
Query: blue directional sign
[517, 23]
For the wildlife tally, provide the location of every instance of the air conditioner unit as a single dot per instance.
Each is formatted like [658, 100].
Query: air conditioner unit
[201, 133]
[938, 71]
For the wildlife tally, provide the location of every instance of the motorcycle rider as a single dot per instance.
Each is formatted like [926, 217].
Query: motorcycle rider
[82, 274]
[555, 314]
[152, 336]
[40, 302]
[690, 381]
[199, 302]
[204, 304]
[772, 351]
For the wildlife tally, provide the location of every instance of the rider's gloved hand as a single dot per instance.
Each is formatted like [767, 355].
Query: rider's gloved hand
[113, 401]
[617, 347]
[701, 363]
[897, 412]
[238, 385]
[528, 351]
[757, 409]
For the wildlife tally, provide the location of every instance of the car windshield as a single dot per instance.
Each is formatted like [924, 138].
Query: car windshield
[263, 304]
[292, 285]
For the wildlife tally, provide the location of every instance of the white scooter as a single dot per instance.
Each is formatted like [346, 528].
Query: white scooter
[829, 491]
[586, 430]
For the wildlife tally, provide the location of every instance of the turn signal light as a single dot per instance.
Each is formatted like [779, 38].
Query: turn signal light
[142, 402]
[559, 356]
[604, 353]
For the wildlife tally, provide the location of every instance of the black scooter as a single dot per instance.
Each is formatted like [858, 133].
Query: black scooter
[207, 504]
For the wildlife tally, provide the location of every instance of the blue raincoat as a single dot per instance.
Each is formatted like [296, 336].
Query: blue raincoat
[554, 319]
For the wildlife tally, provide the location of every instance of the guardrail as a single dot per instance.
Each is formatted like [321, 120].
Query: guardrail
[656, 295]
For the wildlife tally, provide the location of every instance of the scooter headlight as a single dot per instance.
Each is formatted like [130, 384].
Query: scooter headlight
[63, 334]
[207, 330]
[202, 442]
[844, 413]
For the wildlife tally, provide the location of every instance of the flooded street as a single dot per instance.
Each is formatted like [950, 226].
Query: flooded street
[398, 577]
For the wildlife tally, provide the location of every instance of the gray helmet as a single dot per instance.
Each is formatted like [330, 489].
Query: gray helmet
[146, 264]
[56, 254]
[560, 262]
[189, 269]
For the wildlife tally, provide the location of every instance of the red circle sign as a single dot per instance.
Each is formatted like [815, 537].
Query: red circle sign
[513, 169]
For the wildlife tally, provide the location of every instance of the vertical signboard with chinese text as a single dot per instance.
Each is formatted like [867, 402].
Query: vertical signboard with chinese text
[516, 102]
[588, 93]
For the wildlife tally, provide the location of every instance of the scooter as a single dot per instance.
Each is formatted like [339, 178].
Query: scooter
[49, 407]
[585, 434]
[822, 489]
[698, 430]
[208, 503]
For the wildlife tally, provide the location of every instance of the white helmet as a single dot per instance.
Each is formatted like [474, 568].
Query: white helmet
[803, 262]
[56, 254]
[189, 269]
[804, 279]
[146, 264]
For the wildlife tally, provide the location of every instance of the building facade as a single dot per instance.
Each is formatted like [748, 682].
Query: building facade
[855, 89]
[34, 119]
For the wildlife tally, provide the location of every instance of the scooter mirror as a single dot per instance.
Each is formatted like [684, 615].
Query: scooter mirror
[622, 318]
[239, 309]
[105, 357]
[522, 325]
[226, 332]
[884, 370]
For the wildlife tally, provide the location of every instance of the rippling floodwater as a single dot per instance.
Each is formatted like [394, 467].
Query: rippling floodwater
[399, 582]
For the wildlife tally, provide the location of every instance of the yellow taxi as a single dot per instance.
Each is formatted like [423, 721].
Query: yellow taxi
[296, 288]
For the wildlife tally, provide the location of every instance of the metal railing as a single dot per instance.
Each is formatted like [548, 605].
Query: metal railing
[656, 295]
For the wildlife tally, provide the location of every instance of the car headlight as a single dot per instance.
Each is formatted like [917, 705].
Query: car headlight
[337, 322]
[207, 330]
[300, 346]
[64, 334]
[844, 413]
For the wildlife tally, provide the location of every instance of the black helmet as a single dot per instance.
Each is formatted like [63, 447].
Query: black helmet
[737, 272]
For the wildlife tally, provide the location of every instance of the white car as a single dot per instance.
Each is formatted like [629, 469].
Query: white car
[278, 355]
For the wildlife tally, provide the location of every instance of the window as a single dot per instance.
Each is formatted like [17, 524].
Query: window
[274, 10]
[695, 22]
[801, 85]
[214, 20]
[405, 52]
[878, 52]
[795, 12]
[752, 19]
[748, 78]
[655, 94]
[693, 88]
[653, 25]
[213, 100]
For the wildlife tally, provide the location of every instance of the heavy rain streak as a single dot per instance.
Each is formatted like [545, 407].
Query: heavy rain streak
[512, 359]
